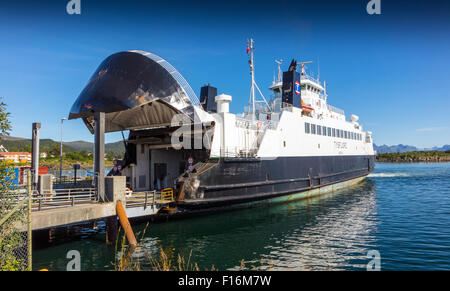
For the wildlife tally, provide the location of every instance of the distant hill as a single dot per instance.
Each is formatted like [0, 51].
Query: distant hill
[115, 147]
[80, 145]
[443, 148]
[384, 149]
[17, 144]
[24, 145]
[400, 148]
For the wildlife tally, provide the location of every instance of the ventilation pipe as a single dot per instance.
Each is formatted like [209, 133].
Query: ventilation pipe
[223, 103]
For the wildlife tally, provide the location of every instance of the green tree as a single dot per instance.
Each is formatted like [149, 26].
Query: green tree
[5, 125]
[10, 238]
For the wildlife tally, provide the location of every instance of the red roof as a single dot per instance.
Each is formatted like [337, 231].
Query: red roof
[13, 153]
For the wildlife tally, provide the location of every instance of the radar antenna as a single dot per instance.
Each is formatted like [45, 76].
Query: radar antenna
[303, 66]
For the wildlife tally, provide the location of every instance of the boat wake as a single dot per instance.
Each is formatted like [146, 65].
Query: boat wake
[388, 175]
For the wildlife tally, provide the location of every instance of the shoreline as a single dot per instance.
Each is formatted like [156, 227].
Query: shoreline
[410, 162]
[415, 157]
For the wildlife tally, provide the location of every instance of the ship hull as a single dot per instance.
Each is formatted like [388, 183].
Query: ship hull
[232, 181]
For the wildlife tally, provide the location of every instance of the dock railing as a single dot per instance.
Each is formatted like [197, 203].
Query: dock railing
[149, 198]
[63, 198]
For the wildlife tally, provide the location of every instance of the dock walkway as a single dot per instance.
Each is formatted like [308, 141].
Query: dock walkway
[71, 206]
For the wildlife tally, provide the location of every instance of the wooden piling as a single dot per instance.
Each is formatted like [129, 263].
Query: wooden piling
[125, 224]
[111, 229]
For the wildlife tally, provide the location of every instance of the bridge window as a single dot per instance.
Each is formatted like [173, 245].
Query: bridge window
[307, 127]
[342, 133]
[324, 130]
[329, 131]
[319, 130]
[313, 128]
[334, 132]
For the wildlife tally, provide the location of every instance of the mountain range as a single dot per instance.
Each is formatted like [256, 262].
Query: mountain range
[13, 144]
[17, 144]
[400, 148]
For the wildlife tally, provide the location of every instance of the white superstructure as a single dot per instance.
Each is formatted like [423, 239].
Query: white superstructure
[270, 130]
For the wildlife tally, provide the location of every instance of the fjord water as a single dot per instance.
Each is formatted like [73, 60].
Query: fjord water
[400, 210]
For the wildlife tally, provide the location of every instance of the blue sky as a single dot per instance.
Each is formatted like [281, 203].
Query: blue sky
[393, 69]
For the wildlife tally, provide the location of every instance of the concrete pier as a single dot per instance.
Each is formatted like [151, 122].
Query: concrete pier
[70, 215]
[115, 190]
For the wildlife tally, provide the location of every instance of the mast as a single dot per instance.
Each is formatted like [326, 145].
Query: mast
[252, 99]
[279, 62]
[252, 73]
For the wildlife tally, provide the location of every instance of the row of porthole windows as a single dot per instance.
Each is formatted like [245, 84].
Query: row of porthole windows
[334, 132]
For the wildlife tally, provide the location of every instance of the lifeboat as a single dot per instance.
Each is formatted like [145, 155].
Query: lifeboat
[306, 109]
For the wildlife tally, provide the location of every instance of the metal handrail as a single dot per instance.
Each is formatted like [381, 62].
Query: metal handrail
[63, 198]
[308, 77]
[336, 110]
[148, 198]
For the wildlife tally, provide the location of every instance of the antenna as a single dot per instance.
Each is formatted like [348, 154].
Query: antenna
[303, 66]
[318, 68]
[252, 99]
[279, 62]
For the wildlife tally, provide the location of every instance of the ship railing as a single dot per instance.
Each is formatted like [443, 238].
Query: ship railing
[256, 124]
[310, 78]
[238, 153]
[246, 123]
[323, 96]
[336, 110]
[149, 198]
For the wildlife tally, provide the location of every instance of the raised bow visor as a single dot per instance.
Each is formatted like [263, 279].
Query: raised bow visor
[136, 90]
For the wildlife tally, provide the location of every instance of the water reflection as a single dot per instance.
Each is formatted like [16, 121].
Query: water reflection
[333, 231]
[400, 210]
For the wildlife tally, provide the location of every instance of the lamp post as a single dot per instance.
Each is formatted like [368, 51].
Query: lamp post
[61, 152]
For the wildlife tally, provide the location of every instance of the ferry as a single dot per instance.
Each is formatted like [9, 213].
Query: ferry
[290, 146]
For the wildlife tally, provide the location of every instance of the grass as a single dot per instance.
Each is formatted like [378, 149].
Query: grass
[129, 261]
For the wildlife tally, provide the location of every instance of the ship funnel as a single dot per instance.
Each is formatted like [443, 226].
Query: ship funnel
[207, 95]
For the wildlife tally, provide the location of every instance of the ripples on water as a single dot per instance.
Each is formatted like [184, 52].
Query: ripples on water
[400, 210]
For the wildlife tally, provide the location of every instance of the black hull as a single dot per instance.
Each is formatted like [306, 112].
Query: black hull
[233, 181]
